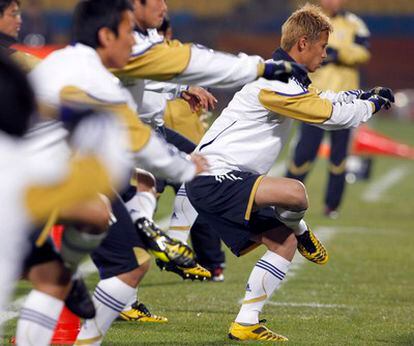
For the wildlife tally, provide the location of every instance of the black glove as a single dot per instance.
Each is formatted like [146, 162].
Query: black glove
[282, 70]
[72, 116]
[332, 56]
[380, 91]
[379, 103]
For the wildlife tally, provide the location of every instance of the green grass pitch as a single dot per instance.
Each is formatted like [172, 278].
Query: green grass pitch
[363, 296]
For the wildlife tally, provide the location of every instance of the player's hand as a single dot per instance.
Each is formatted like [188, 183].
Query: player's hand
[282, 70]
[379, 103]
[381, 91]
[200, 162]
[199, 98]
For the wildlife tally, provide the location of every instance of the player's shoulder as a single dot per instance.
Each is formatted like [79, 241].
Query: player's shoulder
[144, 41]
[292, 88]
[79, 66]
[357, 21]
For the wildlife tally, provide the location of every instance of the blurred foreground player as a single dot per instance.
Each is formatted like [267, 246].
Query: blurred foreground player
[54, 182]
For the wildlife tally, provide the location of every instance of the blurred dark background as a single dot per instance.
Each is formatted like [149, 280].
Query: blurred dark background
[253, 26]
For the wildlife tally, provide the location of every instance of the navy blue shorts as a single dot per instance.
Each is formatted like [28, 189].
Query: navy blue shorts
[40, 255]
[226, 203]
[116, 254]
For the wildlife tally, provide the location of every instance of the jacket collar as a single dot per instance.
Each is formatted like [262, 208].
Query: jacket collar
[139, 30]
[6, 41]
[301, 77]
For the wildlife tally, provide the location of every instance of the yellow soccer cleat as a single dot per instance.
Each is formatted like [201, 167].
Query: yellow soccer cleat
[162, 246]
[311, 248]
[197, 272]
[255, 332]
[140, 313]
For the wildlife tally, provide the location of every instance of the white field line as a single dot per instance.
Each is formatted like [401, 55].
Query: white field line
[12, 310]
[308, 305]
[324, 235]
[278, 170]
[376, 189]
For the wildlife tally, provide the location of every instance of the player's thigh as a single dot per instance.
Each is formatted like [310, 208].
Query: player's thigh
[282, 192]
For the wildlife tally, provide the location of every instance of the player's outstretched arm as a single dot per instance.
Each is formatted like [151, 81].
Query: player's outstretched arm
[350, 96]
[313, 108]
[197, 65]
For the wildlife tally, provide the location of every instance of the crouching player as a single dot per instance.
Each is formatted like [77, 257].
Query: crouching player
[236, 197]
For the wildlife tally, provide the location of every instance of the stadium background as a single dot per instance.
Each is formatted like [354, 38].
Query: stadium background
[253, 26]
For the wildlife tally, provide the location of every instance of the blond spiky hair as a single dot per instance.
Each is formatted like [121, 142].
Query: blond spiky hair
[309, 21]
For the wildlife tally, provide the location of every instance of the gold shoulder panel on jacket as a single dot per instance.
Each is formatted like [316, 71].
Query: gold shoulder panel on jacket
[138, 132]
[86, 178]
[306, 106]
[162, 62]
[179, 117]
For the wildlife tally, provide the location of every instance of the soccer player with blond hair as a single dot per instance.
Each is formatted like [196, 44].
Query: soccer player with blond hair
[236, 197]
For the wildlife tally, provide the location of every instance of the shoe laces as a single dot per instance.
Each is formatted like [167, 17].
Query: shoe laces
[306, 241]
[142, 308]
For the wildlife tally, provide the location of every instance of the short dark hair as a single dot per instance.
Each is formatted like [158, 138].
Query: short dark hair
[17, 101]
[6, 3]
[92, 15]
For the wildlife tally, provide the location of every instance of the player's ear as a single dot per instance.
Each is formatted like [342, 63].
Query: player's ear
[105, 36]
[302, 43]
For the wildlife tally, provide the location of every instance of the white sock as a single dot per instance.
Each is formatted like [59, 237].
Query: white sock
[143, 204]
[183, 217]
[292, 219]
[110, 298]
[38, 319]
[264, 279]
[133, 299]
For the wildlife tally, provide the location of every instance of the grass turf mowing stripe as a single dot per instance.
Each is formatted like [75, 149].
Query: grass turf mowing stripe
[377, 188]
[309, 305]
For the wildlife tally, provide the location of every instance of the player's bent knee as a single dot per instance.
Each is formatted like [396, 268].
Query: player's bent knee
[145, 181]
[95, 213]
[299, 196]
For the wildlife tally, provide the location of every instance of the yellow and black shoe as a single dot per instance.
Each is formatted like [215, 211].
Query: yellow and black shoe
[163, 247]
[254, 332]
[140, 313]
[311, 248]
[197, 272]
